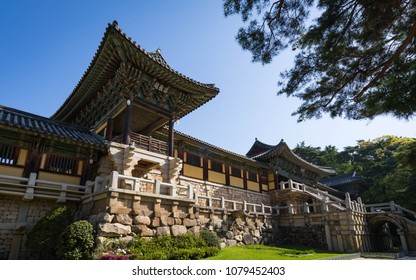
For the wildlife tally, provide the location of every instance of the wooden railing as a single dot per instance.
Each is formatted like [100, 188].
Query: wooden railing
[30, 188]
[147, 143]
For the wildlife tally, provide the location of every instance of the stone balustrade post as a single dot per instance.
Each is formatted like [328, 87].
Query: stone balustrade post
[136, 185]
[282, 185]
[290, 209]
[97, 185]
[306, 208]
[245, 206]
[290, 184]
[222, 202]
[360, 202]
[196, 196]
[172, 191]
[156, 189]
[392, 206]
[325, 207]
[348, 201]
[263, 208]
[62, 194]
[113, 180]
[88, 188]
[30, 189]
[191, 192]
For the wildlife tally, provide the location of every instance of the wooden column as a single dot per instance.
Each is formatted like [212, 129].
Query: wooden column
[109, 130]
[205, 167]
[127, 122]
[244, 177]
[171, 138]
[34, 157]
[227, 172]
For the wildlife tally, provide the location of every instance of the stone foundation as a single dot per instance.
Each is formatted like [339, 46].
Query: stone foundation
[125, 214]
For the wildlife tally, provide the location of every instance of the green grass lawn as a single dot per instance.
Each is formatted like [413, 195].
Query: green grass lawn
[263, 252]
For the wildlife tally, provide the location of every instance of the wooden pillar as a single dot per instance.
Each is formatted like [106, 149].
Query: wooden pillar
[109, 130]
[127, 123]
[33, 158]
[171, 138]
[227, 172]
[205, 168]
[261, 180]
[244, 178]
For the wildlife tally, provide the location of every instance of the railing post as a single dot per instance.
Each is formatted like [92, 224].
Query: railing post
[88, 188]
[196, 196]
[282, 185]
[191, 192]
[156, 189]
[290, 184]
[136, 185]
[306, 208]
[325, 206]
[245, 206]
[222, 202]
[277, 210]
[173, 190]
[97, 185]
[263, 208]
[360, 202]
[392, 206]
[62, 194]
[290, 209]
[30, 190]
[113, 180]
[347, 201]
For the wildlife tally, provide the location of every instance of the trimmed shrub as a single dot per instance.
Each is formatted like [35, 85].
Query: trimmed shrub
[43, 238]
[182, 247]
[211, 239]
[76, 242]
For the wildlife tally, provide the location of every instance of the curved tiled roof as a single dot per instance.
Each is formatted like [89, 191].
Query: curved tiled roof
[10, 117]
[115, 47]
[283, 149]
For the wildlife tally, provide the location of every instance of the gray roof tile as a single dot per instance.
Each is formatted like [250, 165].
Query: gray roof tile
[38, 124]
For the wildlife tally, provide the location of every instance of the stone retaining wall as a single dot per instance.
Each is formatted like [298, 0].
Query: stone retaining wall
[130, 214]
[17, 218]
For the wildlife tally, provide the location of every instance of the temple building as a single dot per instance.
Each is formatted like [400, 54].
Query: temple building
[111, 152]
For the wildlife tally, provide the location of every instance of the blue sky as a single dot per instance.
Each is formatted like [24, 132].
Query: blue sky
[47, 45]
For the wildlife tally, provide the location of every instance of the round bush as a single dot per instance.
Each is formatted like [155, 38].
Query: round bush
[76, 242]
[211, 239]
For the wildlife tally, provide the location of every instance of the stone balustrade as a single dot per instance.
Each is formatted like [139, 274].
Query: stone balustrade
[32, 187]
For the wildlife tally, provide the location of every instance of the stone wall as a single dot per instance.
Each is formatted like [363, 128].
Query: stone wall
[17, 218]
[312, 236]
[125, 214]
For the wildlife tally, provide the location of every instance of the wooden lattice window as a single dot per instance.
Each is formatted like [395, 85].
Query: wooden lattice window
[252, 176]
[61, 164]
[193, 160]
[236, 172]
[8, 154]
[216, 166]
